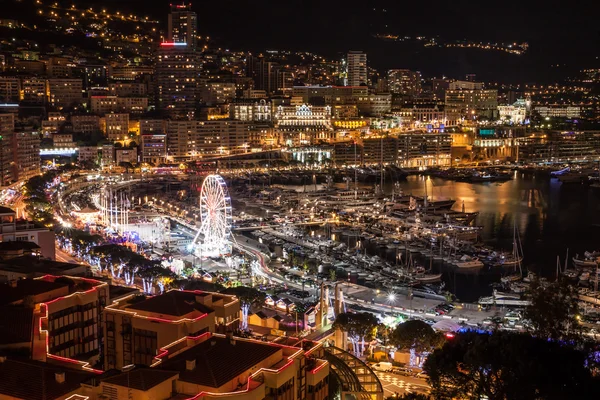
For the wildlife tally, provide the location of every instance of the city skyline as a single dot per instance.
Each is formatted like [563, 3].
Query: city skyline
[298, 201]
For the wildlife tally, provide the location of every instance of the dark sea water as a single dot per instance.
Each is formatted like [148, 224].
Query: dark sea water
[551, 217]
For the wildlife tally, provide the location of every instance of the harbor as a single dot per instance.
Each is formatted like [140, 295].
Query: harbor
[481, 242]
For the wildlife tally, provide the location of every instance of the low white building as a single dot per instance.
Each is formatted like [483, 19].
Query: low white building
[515, 113]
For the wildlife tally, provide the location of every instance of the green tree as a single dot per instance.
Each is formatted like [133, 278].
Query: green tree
[416, 334]
[507, 365]
[553, 310]
[359, 327]
[248, 297]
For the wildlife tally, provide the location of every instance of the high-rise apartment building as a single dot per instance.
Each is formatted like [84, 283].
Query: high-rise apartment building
[183, 25]
[7, 131]
[19, 152]
[357, 68]
[262, 72]
[26, 148]
[404, 82]
[177, 70]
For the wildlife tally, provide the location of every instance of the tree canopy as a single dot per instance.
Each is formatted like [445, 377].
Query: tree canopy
[357, 324]
[417, 335]
[507, 365]
[553, 310]
[246, 294]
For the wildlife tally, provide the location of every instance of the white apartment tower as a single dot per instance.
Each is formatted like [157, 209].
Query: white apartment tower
[357, 68]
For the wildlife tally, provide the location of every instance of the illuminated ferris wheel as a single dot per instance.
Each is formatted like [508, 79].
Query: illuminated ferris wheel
[215, 217]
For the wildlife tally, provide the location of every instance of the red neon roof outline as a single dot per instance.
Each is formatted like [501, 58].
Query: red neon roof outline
[135, 313]
[286, 365]
[165, 350]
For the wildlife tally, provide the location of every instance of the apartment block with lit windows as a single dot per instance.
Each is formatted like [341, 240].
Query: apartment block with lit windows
[10, 89]
[189, 140]
[153, 148]
[107, 104]
[136, 328]
[115, 126]
[177, 70]
[65, 92]
[61, 320]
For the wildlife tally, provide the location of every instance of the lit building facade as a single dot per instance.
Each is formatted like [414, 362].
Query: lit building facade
[189, 140]
[409, 150]
[27, 151]
[212, 93]
[107, 104]
[115, 126]
[515, 113]
[35, 89]
[251, 110]
[13, 230]
[304, 124]
[10, 89]
[469, 104]
[558, 111]
[154, 148]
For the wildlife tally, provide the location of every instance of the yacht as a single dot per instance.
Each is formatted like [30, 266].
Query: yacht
[467, 262]
[588, 260]
[427, 278]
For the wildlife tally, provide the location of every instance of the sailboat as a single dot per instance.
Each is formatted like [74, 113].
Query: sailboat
[427, 276]
[516, 257]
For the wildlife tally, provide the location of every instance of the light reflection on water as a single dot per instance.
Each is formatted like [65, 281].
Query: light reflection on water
[550, 216]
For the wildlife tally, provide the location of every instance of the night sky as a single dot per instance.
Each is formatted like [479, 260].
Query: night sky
[563, 33]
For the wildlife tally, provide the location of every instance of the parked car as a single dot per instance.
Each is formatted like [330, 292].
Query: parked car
[422, 375]
[382, 366]
[403, 371]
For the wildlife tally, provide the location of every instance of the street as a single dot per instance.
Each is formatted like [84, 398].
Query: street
[394, 383]
[62, 256]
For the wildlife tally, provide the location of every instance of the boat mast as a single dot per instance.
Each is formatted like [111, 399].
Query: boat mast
[516, 247]
[381, 168]
[425, 200]
[355, 173]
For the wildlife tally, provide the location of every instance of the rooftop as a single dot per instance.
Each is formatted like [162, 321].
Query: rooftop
[176, 303]
[37, 266]
[34, 380]
[117, 292]
[219, 361]
[26, 287]
[141, 379]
